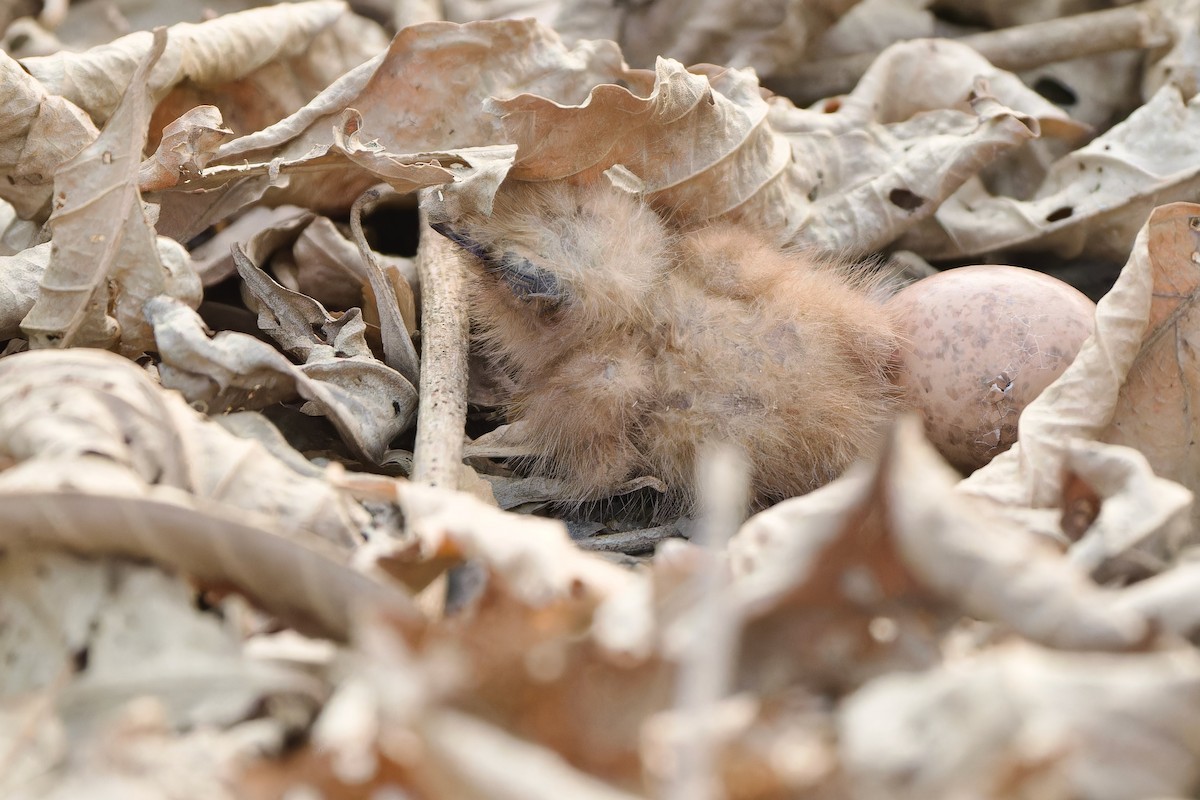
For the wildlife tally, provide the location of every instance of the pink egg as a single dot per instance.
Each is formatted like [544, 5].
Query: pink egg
[982, 343]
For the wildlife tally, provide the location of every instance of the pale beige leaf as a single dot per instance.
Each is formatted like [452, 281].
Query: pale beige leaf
[16, 234]
[329, 268]
[301, 579]
[1179, 64]
[872, 25]
[534, 557]
[1020, 722]
[100, 235]
[909, 78]
[186, 146]
[136, 631]
[707, 145]
[20, 276]
[89, 418]
[1170, 599]
[38, 132]
[212, 259]
[1143, 521]
[1092, 202]
[768, 36]
[1158, 407]
[872, 546]
[293, 320]
[135, 754]
[367, 402]
[208, 53]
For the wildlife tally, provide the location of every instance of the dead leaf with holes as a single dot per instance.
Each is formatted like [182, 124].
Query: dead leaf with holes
[1092, 201]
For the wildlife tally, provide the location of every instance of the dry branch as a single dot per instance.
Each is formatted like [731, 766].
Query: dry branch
[442, 409]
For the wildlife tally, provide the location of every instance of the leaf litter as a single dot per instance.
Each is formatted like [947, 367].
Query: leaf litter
[259, 551]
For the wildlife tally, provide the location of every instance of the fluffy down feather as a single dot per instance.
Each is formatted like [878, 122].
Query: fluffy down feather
[629, 344]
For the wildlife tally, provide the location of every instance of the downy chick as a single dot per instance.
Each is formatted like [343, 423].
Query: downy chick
[630, 344]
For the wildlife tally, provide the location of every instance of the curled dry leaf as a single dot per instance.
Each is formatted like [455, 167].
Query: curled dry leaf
[91, 407]
[1093, 200]
[108, 463]
[871, 562]
[257, 96]
[39, 130]
[1158, 407]
[20, 277]
[768, 36]
[1138, 355]
[761, 163]
[102, 242]
[135, 753]
[187, 145]
[1020, 722]
[330, 268]
[221, 50]
[366, 401]
[123, 628]
[1143, 520]
[534, 557]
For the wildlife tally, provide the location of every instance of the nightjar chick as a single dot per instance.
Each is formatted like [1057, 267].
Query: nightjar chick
[630, 343]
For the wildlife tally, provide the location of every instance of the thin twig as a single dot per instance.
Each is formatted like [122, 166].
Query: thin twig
[643, 540]
[1023, 47]
[706, 668]
[442, 410]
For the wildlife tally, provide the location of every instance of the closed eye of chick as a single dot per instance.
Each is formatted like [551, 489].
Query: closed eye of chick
[630, 344]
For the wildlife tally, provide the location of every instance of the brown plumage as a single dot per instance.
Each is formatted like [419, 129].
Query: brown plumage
[630, 344]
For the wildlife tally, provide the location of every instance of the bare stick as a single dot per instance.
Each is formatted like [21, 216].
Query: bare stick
[706, 666]
[1023, 47]
[442, 413]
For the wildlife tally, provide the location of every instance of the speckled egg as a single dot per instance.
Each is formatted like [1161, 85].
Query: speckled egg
[982, 343]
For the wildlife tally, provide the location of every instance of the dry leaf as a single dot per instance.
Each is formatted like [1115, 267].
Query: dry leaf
[1158, 407]
[1143, 520]
[1019, 722]
[209, 53]
[20, 276]
[136, 754]
[85, 406]
[186, 146]
[127, 631]
[1092, 201]
[867, 566]
[1129, 361]
[100, 234]
[368, 403]
[40, 131]
[763, 163]
[768, 36]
